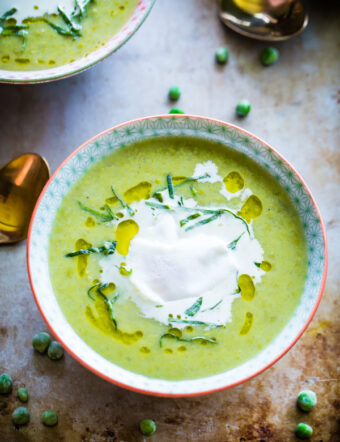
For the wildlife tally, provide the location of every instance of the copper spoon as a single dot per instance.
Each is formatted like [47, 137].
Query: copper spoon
[270, 20]
[21, 182]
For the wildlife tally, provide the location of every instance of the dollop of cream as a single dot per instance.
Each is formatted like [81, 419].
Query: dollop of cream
[173, 266]
[36, 8]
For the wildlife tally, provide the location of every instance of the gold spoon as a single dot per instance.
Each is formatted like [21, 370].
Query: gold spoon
[270, 20]
[21, 182]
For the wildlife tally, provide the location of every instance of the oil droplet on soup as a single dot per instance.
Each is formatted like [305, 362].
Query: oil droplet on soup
[145, 350]
[139, 192]
[251, 209]
[175, 331]
[247, 287]
[233, 182]
[265, 266]
[126, 230]
[248, 322]
[82, 260]
[104, 323]
[178, 179]
[90, 222]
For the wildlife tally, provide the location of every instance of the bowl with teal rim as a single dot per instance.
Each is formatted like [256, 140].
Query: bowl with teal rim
[66, 70]
[171, 126]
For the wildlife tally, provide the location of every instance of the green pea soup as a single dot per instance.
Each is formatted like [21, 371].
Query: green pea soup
[116, 329]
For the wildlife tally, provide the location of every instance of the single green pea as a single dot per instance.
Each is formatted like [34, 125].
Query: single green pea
[6, 384]
[243, 108]
[222, 55]
[41, 341]
[306, 400]
[147, 427]
[22, 394]
[176, 110]
[269, 56]
[55, 351]
[174, 93]
[49, 418]
[20, 416]
[303, 431]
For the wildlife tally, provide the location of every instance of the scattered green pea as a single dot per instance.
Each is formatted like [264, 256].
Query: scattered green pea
[20, 416]
[222, 55]
[303, 431]
[49, 418]
[176, 110]
[41, 341]
[174, 93]
[22, 394]
[55, 351]
[306, 400]
[147, 427]
[269, 56]
[6, 384]
[243, 108]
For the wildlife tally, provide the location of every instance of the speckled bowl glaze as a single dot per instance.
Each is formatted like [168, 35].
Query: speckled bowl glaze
[45, 75]
[192, 126]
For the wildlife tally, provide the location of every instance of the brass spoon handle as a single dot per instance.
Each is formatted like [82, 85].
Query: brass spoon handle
[21, 182]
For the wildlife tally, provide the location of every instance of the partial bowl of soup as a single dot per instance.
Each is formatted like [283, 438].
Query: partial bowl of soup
[45, 40]
[176, 255]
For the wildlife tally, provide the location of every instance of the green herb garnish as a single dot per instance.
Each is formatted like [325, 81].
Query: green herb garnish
[187, 321]
[72, 26]
[213, 307]
[233, 244]
[158, 206]
[7, 30]
[193, 190]
[107, 249]
[204, 221]
[189, 218]
[69, 21]
[185, 181]
[191, 311]
[122, 202]
[170, 186]
[101, 216]
[258, 264]
[218, 212]
[109, 303]
[194, 338]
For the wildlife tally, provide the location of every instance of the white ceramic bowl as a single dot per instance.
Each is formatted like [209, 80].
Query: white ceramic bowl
[226, 134]
[44, 75]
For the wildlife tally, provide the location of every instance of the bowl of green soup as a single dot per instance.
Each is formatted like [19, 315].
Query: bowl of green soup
[176, 255]
[45, 40]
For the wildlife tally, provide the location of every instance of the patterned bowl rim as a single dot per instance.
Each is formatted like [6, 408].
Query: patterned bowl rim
[212, 390]
[138, 17]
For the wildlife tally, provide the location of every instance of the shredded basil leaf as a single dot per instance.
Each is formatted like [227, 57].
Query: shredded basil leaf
[213, 307]
[102, 216]
[107, 249]
[189, 218]
[203, 221]
[187, 180]
[122, 202]
[109, 303]
[194, 338]
[191, 311]
[170, 186]
[158, 206]
[233, 244]
[187, 321]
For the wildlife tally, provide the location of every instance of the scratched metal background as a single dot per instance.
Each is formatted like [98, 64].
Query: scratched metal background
[295, 108]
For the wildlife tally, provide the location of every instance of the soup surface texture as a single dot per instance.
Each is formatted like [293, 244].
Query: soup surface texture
[177, 258]
[56, 38]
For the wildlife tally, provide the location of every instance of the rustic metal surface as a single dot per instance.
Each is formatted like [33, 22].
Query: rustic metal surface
[295, 108]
